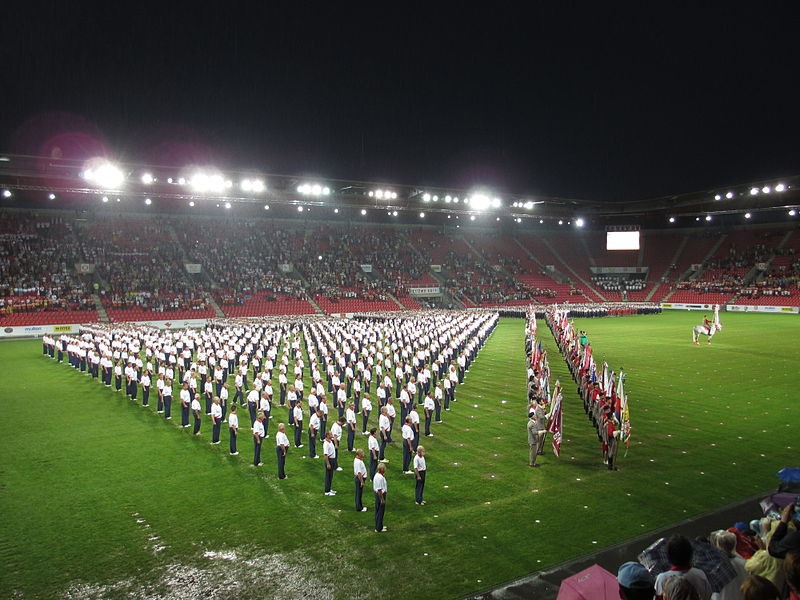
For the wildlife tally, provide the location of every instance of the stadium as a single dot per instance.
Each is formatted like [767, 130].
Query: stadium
[298, 320]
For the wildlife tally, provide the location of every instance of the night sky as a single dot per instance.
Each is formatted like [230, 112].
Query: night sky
[615, 102]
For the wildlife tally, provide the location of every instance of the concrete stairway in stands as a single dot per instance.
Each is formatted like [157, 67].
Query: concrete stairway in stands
[213, 304]
[396, 301]
[555, 253]
[101, 310]
[665, 274]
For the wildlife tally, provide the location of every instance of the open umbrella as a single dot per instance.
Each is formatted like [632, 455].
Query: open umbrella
[776, 502]
[707, 558]
[790, 474]
[594, 583]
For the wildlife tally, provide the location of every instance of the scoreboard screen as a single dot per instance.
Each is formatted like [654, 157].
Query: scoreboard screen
[622, 240]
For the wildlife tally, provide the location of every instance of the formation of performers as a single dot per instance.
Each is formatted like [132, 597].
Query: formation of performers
[602, 391]
[417, 359]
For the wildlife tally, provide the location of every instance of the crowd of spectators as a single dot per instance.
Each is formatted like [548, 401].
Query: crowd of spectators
[763, 559]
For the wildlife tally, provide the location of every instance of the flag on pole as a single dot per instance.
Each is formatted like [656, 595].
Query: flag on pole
[556, 420]
[625, 416]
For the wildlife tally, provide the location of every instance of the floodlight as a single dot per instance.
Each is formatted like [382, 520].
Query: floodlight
[148, 201]
[147, 178]
[780, 188]
[371, 194]
[496, 203]
[754, 191]
[747, 215]
[579, 222]
[379, 194]
[498, 218]
[246, 185]
[422, 215]
[228, 184]
[6, 193]
[480, 201]
[426, 197]
[363, 211]
[266, 207]
[792, 212]
[541, 221]
[394, 213]
[52, 196]
[455, 200]
[326, 191]
[181, 181]
[708, 217]
[529, 205]
[169, 179]
[104, 174]
[448, 199]
[519, 220]
[319, 257]
[472, 217]
[561, 222]
[227, 205]
[258, 186]
[718, 197]
[105, 198]
[299, 209]
[336, 210]
[436, 198]
[729, 195]
[191, 203]
[766, 189]
[316, 189]
[672, 219]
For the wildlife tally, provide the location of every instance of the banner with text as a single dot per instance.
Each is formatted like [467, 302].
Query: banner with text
[193, 267]
[620, 270]
[366, 268]
[776, 310]
[424, 291]
[84, 268]
[37, 330]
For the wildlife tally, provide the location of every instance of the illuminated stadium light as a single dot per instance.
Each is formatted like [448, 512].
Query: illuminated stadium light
[6, 193]
[435, 198]
[336, 210]
[519, 220]
[466, 200]
[181, 181]
[792, 212]
[319, 257]
[383, 194]
[780, 188]
[147, 201]
[246, 185]
[228, 184]
[766, 189]
[202, 182]
[299, 209]
[258, 186]
[448, 198]
[455, 200]
[747, 215]
[426, 197]
[147, 178]
[560, 222]
[394, 213]
[191, 203]
[105, 198]
[729, 195]
[708, 217]
[718, 197]
[579, 222]
[498, 218]
[169, 179]
[496, 203]
[266, 207]
[754, 191]
[529, 205]
[422, 215]
[52, 196]
[541, 221]
[104, 174]
[672, 219]
[472, 217]
[313, 189]
[480, 201]
[363, 211]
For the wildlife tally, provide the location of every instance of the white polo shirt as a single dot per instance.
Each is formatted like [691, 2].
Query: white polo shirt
[419, 462]
[359, 468]
[379, 483]
[281, 439]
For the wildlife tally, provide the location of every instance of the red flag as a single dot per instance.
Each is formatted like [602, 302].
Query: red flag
[556, 424]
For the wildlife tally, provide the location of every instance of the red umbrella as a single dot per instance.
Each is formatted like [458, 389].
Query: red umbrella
[594, 583]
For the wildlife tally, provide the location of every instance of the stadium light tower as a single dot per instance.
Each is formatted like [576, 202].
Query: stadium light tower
[103, 174]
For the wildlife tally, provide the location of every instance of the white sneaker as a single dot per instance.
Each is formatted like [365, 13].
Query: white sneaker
[364, 509]
[339, 469]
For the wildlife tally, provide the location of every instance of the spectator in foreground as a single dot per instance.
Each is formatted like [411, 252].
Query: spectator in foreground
[679, 552]
[756, 587]
[726, 542]
[680, 588]
[791, 568]
[783, 542]
[635, 582]
[763, 563]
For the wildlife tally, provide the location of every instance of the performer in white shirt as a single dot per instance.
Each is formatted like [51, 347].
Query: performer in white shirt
[233, 427]
[329, 453]
[380, 489]
[419, 470]
[281, 448]
[216, 420]
[258, 438]
[359, 475]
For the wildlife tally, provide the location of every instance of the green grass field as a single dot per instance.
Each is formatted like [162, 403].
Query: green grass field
[104, 499]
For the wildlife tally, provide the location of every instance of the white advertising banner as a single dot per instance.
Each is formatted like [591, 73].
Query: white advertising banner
[84, 268]
[286, 267]
[366, 268]
[424, 291]
[619, 270]
[775, 310]
[436, 268]
[682, 306]
[37, 330]
[193, 267]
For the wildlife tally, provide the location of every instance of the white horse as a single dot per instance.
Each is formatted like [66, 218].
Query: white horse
[703, 330]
